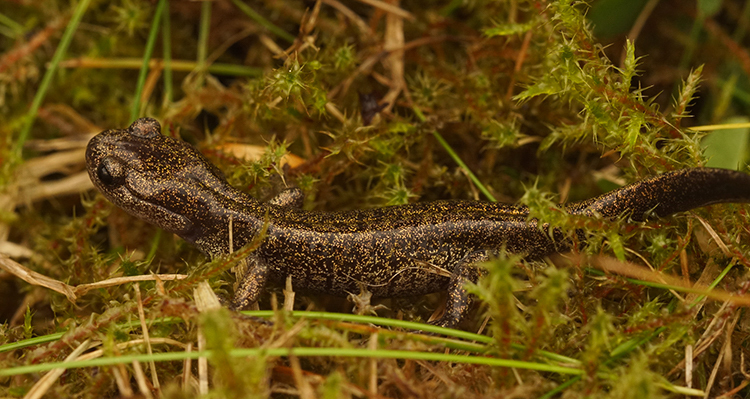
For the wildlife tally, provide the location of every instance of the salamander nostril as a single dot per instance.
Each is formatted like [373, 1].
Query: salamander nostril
[145, 127]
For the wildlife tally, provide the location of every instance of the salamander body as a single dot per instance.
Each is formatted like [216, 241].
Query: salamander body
[395, 251]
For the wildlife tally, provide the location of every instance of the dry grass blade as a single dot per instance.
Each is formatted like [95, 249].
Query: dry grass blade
[73, 292]
[75, 184]
[372, 344]
[733, 392]
[84, 288]
[33, 188]
[349, 14]
[632, 270]
[133, 343]
[710, 335]
[288, 295]
[140, 379]
[250, 153]
[146, 337]
[635, 30]
[35, 278]
[304, 390]
[42, 166]
[688, 361]
[709, 273]
[394, 39]
[14, 250]
[187, 374]
[686, 278]
[389, 8]
[330, 107]
[43, 385]
[724, 249]
[202, 364]
[122, 380]
[61, 144]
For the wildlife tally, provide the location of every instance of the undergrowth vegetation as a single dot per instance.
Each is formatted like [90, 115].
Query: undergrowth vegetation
[371, 104]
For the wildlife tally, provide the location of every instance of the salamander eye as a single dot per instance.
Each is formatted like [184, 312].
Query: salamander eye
[104, 175]
[109, 172]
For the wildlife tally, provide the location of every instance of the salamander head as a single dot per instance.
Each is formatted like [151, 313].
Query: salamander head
[156, 178]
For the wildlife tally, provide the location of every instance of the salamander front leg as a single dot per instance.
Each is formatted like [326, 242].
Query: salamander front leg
[459, 300]
[251, 285]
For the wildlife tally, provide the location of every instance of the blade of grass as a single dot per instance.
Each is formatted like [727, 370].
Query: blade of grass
[463, 166]
[407, 325]
[723, 126]
[166, 38]
[62, 48]
[742, 23]
[629, 346]
[263, 22]
[337, 317]
[714, 283]
[31, 341]
[456, 158]
[135, 111]
[556, 390]
[205, 31]
[301, 352]
[11, 28]
[619, 352]
[177, 65]
[381, 321]
[154, 246]
[721, 295]
[54, 337]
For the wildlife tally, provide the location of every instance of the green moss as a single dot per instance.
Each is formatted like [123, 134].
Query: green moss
[520, 91]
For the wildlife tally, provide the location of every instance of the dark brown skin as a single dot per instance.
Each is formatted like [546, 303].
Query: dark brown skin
[395, 251]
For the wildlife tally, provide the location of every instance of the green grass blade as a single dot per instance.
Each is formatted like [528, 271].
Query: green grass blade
[407, 325]
[456, 158]
[10, 28]
[62, 48]
[263, 22]
[205, 31]
[150, 43]
[31, 341]
[177, 65]
[54, 337]
[166, 34]
[463, 166]
[301, 352]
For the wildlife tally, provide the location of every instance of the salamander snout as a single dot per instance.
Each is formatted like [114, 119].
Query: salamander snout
[145, 128]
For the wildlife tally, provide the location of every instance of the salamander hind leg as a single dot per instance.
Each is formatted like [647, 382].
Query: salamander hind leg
[251, 284]
[459, 300]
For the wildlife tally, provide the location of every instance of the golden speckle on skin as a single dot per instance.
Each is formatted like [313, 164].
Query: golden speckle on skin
[394, 251]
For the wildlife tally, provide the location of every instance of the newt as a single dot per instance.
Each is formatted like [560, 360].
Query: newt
[395, 251]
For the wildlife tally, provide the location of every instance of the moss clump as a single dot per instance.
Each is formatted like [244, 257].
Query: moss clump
[379, 103]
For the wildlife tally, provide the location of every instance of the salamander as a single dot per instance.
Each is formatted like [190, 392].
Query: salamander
[395, 251]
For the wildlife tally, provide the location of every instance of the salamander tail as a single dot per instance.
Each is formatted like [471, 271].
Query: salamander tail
[669, 193]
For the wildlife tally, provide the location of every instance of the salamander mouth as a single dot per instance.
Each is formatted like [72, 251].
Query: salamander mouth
[153, 212]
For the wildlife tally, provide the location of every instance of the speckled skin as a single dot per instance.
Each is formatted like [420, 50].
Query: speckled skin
[395, 251]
